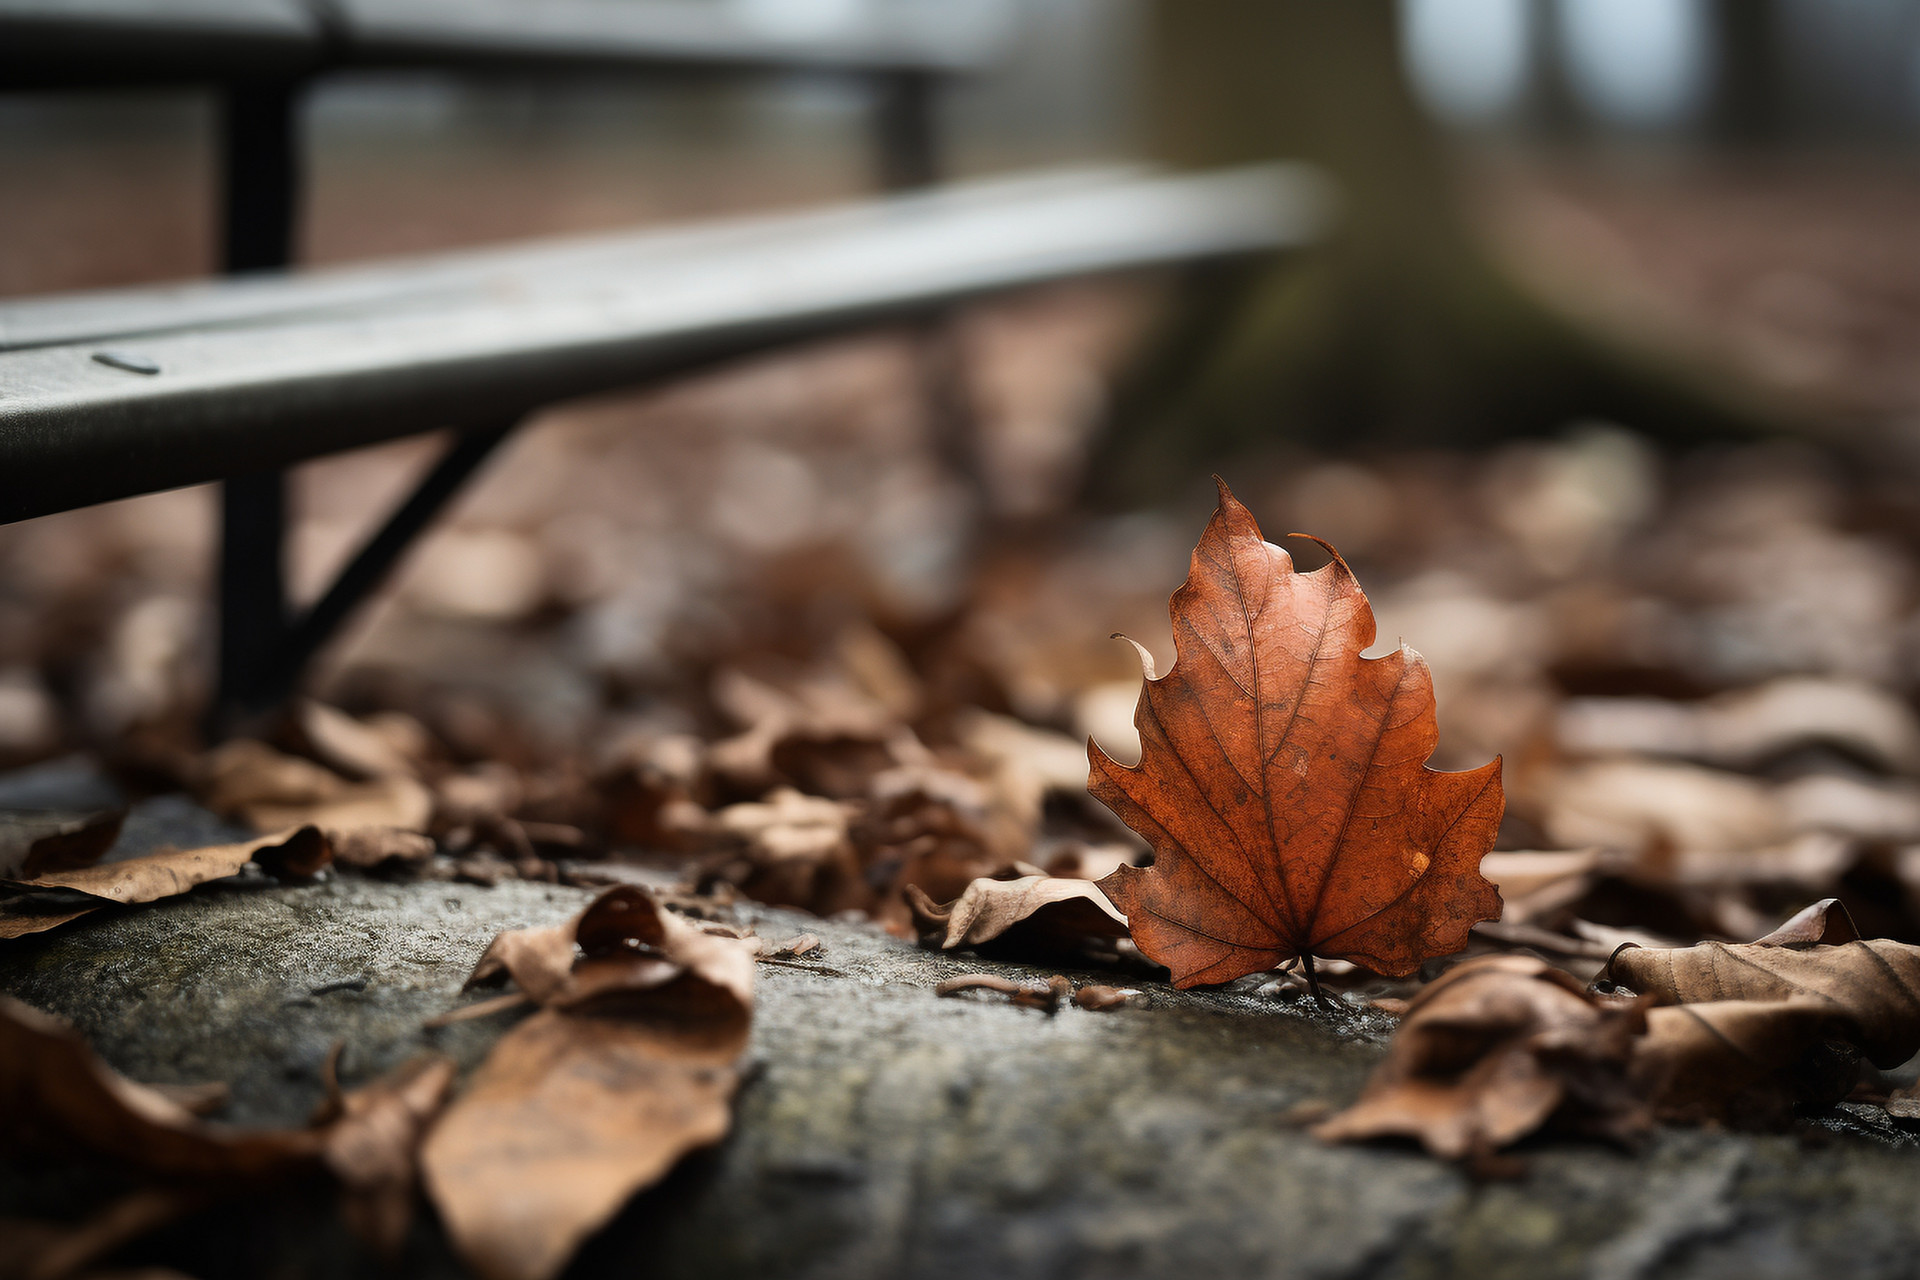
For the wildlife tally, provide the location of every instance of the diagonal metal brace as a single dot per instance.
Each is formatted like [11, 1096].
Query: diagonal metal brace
[264, 648]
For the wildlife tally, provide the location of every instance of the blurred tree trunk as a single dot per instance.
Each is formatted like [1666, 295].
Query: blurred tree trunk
[1398, 330]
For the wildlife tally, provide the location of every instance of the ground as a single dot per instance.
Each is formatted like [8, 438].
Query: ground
[885, 1131]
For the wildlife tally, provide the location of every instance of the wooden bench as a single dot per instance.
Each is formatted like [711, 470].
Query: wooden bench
[114, 393]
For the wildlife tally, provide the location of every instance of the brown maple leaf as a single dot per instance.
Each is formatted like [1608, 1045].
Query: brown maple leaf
[1282, 781]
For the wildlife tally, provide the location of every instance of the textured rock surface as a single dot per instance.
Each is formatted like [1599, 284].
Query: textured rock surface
[886, 1132]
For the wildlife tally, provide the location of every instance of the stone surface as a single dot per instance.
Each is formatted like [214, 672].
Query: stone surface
[886, 1132]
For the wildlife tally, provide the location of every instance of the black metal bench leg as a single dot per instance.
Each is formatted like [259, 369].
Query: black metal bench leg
[253, 594]
[906, 134]
[260, 191]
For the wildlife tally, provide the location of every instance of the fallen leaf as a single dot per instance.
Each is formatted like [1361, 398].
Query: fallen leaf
[1034, 914]
[54, 1093]
[1534, 883]
[927, 827]
[820, 733]
[1282, 781]
[56, 897]
[371, 1145]
[374, 848]
[1752, 1024]
[1491, 1050]
[268, 790]
[31, 843]
[1646, 806]
[298, 852]
[21, 918]
[790, 850]
[1747, 727]
[392, 743]
[566, 1119]
[1024, 765]
[649, 785]
[1078, 861]
[43, 1251]
[1096, 997]
[591, 1099]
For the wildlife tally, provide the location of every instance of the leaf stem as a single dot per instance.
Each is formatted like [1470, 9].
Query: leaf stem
[1313, 982]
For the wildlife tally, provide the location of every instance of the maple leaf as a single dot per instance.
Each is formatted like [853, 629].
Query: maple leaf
[1282, 780]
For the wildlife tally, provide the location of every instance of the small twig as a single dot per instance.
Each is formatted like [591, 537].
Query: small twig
[828, 970]
[1027, 995]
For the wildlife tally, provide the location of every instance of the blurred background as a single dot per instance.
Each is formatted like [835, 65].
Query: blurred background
[1604, 384]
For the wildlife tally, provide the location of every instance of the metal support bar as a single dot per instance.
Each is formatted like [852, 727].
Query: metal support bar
[253, 521]
[260, 173]
[907, 135]
[259, 197]
[905, 132]
[378, 555]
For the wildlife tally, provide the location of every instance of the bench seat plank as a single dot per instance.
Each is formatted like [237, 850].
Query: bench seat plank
[494, 341]
[103, 314]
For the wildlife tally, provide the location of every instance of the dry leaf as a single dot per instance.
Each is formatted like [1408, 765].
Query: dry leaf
[55, 1093]
[44, 1251]
[31, 843]
[790, 850]
[649, 786]
[268, 790]
[1534, 883]
[1024, 765]
[1747, 727]
[389, 744]
[597, 1096]
[566, 1119]
[1754, 1021]
[1282, 781]
[1034, 914]
[69, 894]
[371, 1145]
[20, 918]
[799, 945]
[1096, 997]
[822, 734]
[1643, 805]
[930, 828]
[298, 852]
[1489, 1052]
[373, 848]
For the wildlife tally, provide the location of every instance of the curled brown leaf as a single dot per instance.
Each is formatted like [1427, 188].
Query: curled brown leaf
[56, 897]
[1031, 915]
[1489, 1052]
[1762, 1025]
[631, 1064]
[55, 1093]
[372, 1147]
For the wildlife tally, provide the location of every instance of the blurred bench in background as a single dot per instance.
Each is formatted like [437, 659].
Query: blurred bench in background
[110, 394]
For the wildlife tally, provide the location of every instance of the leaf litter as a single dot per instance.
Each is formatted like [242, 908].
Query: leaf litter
[892, 774]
